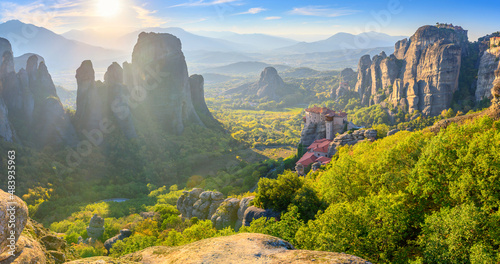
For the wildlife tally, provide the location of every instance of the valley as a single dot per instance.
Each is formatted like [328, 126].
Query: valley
[291, 151]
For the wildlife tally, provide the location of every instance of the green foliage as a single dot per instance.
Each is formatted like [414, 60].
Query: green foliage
[88, 251]
[289, 189]
[454, 236]
[132, 244]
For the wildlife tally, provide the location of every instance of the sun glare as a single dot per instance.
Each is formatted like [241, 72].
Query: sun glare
[107, 8]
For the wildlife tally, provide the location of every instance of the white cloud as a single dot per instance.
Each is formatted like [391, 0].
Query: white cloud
[272, 18]
[253, 11]
[62, 15]
[147, 17]
[321, 11]
[205, 3]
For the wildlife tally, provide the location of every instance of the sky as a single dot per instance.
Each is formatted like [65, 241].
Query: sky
[301, 20]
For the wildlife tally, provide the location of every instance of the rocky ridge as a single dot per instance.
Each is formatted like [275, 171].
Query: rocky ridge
[421, 75]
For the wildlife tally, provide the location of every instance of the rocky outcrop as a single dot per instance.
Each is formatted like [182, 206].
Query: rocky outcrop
[392, 132]
[270, 85]
[29, 102]
[350, 139]
[421, 75]
[241, 248]
[489, 63]
[11, 207]
[226, 214]
[124, 233]
[95, 230]
[89, 99]
[196, 83]
[160, 71]
[311, 132]
[253, 213]
[346, 78]
[244, 205]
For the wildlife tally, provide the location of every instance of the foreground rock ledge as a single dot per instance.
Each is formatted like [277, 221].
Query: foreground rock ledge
[240, 248]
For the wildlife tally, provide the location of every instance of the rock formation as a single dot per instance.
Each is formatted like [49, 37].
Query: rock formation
[488, 65]
[30, 109]
[11, 205]
[421, 75]
[160, 72]
[351, 139]
[270, 85]
[196, 83]
[34, 243]
[239, 248]
[95, 228]
[253, 213]
[124, 233]
[346, 78]
[226, 214]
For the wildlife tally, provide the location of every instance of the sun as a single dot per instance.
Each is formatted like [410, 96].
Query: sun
[108, 8]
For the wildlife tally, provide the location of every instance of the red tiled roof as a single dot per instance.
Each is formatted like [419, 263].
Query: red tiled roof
[307, 159]
[320, 145]
[324, 160]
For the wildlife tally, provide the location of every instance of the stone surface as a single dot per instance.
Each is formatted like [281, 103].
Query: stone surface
[244, 204]
[240, 248]
[196, 84]
[489, 63]
[226, 214]
[392, 132]
[96, 227]
[20, 211]
[252, 213]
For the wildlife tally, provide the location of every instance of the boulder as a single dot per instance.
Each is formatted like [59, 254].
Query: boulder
[124, 233]
[392, 132]
[226, 214]
[244, 204]
[252, 213]
[96, 227]
[11, 206]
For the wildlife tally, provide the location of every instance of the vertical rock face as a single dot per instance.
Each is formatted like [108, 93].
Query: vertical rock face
[89, 100]
[117, 99]
[196, 83]
[29, 104]
[363, 86]
[422, 74]
[489, 63]
[160, 69]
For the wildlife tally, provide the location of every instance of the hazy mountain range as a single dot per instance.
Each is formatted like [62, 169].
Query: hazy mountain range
[205, 51]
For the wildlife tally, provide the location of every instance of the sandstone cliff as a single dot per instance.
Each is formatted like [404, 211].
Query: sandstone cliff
[421, 75]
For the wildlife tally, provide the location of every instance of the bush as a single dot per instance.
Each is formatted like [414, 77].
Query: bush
[287, 189]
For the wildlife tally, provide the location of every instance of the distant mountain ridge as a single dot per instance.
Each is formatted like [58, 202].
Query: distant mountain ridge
[343, 41]
[60, 53]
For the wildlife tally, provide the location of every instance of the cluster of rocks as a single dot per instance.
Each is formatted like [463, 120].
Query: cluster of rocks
[199, 203]
[353, 138]
[229, 212]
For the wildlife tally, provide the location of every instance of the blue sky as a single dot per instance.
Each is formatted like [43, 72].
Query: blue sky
[302, 20]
